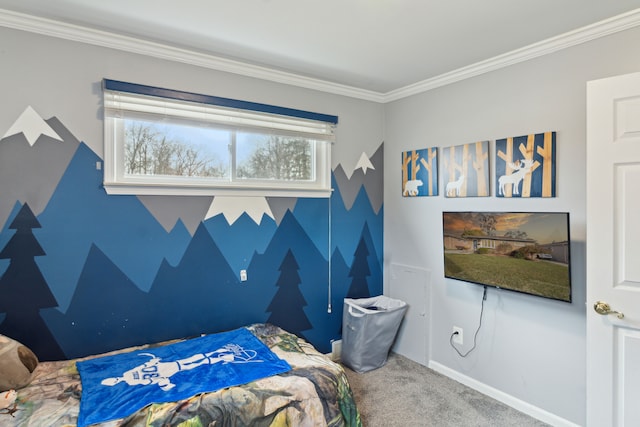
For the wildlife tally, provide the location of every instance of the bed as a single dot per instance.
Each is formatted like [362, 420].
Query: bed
[313, 392]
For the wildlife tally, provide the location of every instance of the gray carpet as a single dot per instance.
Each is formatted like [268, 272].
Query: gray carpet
[405, 393]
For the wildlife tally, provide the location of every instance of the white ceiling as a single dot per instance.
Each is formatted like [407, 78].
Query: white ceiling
[378, 46]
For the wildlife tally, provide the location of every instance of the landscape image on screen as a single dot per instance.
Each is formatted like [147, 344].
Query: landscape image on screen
[526, 252]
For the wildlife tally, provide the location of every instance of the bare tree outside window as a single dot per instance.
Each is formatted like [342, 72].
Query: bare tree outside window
[273, 157]
[139, 138]
[149, 151]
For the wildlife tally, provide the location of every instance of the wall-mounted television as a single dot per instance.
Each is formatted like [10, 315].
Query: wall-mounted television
[527, 252]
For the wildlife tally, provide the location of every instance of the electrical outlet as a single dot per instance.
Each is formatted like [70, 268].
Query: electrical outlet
[458, 338]
[243, 275]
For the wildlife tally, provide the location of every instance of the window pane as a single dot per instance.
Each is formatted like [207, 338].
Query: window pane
[274, 157]
[183, 144]
[168, 149]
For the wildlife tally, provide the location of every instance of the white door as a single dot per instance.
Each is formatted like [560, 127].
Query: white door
[613, 251]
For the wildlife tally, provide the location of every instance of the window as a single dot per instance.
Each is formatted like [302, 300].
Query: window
[160, 141]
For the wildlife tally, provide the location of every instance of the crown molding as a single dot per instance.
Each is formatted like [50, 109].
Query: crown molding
[130, 44]
[52, 28]
[603, 28]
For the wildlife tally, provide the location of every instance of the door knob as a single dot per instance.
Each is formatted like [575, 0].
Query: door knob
[603, 308]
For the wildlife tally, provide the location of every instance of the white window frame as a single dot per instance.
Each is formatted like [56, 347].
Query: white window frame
[156, 104]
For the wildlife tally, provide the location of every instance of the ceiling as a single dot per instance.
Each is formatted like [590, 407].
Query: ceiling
[376, 46]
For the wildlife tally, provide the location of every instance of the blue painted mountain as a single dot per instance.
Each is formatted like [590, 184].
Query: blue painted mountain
[202, 294]
[180, 236]
[107, 311]
[340, 282]
[199, 295]
[239, 241]
[339, 273]
[80, 214]
[313, 274]
[347, 226]
[313, 216]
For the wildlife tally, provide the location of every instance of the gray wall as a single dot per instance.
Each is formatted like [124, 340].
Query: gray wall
[62, 78]
[529, 348]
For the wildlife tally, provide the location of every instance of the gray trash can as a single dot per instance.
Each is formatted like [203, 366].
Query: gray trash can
[369, 327]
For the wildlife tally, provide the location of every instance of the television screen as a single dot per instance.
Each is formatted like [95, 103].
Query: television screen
[525, 252]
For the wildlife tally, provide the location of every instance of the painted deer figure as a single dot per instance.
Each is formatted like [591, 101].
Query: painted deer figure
[453, 187]
[520, 170]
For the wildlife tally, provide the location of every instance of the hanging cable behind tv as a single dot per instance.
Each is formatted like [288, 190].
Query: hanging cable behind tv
[475, 336]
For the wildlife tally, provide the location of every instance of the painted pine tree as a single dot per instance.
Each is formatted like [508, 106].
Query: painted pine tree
[286, 307]
[360, 271]
[25, 291]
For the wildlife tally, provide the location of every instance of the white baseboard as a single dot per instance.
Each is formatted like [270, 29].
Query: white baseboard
[503, 397]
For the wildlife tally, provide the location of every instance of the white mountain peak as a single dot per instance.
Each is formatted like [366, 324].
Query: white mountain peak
[32, 126]
[232, 207]
[364, 163]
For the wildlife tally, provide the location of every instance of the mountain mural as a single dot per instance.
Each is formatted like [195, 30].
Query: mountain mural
[47, 158]
[242, 239]
[347, 224]
[80, 213]
[370, 179]
[111, 271]
[106, 312]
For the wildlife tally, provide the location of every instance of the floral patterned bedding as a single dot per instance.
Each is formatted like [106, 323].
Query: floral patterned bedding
[315, 392]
